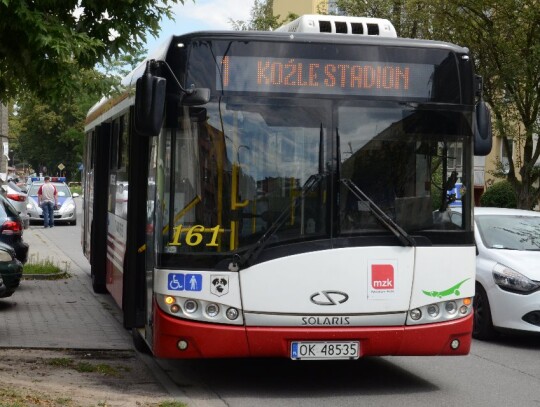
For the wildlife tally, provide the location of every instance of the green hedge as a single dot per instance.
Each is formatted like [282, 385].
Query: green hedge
[499, 195]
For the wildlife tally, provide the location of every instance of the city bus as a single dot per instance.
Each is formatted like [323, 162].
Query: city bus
[283, 194]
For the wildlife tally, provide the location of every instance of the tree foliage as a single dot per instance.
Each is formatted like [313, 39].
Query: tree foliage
[499, 195]
[504, 39]
[45, 134]
[45, 44]
[411, 18]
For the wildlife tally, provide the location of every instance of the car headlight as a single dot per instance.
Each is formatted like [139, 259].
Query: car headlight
[5, 256]
[68, 207]
[510, 280]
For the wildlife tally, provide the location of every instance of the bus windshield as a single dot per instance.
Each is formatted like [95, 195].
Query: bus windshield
[235, 167]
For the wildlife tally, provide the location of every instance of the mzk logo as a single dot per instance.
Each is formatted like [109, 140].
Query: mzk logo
[381, 280]
[382, 276]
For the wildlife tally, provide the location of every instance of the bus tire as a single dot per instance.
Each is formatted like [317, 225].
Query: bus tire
[483, 324]
[139, 343]
[99, 288]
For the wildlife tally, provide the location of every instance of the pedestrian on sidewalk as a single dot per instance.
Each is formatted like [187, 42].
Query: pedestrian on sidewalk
[48, 200]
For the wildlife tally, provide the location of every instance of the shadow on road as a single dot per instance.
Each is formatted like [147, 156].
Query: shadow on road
[285, 378]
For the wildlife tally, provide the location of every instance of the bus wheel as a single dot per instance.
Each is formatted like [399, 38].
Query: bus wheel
[483, 324]
[139, 342]
[99, 288]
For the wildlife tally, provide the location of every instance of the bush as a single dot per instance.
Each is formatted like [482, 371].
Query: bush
[499, 195]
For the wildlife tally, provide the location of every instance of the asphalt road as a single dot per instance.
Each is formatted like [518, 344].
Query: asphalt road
[501, 373]
[505, 372]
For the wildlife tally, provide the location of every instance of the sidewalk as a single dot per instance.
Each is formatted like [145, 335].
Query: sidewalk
[66, 314]
[60, 314]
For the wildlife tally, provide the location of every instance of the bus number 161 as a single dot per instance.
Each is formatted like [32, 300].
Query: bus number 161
[194, 235]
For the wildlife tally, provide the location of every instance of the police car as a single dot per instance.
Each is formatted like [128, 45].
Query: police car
[67, 210]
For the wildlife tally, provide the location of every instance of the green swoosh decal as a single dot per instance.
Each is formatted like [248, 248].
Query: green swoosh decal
[452, 290]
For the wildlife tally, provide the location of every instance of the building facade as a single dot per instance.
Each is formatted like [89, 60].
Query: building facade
[283, 8]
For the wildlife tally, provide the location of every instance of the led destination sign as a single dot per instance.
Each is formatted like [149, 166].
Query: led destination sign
[329, 77]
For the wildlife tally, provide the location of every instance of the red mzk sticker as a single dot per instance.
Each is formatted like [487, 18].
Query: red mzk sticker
[382, 276]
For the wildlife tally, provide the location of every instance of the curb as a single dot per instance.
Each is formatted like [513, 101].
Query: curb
[51, 276]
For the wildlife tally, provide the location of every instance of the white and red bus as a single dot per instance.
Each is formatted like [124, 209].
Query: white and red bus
[283, 194]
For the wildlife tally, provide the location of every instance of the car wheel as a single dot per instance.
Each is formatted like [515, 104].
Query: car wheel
[483, 324]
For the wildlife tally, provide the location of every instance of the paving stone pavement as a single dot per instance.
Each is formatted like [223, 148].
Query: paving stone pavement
[60, 314]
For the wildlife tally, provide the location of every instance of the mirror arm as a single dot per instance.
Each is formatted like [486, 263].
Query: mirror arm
[186, 91]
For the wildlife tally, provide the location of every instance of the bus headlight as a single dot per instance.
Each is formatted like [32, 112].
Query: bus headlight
[232, 313]
[416, 314]
[433, 310]
[440, 312]
[450, 307]
[198, 309]
[190, 306]
[212, 310]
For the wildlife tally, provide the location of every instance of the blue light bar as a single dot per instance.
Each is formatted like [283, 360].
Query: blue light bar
[52, 179]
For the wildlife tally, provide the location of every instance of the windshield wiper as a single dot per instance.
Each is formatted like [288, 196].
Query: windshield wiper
[250, 255]
[381, 216]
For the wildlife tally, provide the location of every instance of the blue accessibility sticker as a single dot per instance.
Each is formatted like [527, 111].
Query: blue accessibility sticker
[184, 282]
[193, 282]
[176, 282]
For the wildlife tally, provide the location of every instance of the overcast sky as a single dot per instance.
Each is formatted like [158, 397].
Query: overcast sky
[202, 15]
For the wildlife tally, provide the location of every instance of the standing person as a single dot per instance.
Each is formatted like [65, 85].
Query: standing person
[48, 200]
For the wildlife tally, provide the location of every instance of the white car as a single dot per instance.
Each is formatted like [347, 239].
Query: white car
[507, 271]
[19, 199]
[66, 212]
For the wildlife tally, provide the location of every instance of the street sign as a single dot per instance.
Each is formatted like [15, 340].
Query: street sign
[61, 166]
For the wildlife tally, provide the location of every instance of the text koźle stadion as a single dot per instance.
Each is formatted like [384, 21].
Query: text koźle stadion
[265, 74]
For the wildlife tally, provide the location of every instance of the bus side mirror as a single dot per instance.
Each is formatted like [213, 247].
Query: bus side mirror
[150, 94]
[482, 130]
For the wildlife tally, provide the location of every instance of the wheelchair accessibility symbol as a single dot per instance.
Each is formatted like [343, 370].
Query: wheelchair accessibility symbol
[184, 282]
[176, 282]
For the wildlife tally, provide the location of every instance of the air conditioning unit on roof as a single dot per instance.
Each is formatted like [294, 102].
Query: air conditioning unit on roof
[315, 23]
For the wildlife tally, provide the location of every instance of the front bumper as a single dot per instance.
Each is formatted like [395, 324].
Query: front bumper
[221, 341]
[508, 309]
[36, 215]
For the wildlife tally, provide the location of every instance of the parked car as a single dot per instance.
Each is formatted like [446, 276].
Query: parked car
[3, 288]
[11, 270]
[507, 271]
[67, 210]
[18, 199]
[11, 229]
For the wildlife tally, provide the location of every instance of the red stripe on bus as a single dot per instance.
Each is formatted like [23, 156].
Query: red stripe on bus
[223, 341]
